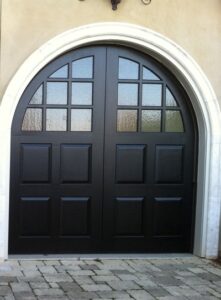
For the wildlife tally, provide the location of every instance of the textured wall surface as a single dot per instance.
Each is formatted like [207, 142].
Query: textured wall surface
[195, 26]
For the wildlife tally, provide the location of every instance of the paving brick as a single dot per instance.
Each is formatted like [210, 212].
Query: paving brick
[127, 277]
[31, 263]
[25, 295]
[65, 268]
[158, 292]
[31, 279]
[146, 283]
[181, 291]
[48, 292]
[47, 270]
[81, 295]
[105, 278]
[52, 263]
[39, 285]
[193, 281]
[58, 278]
[114, 294]
[70, 287]
[20, 287]
[103, 272]
[8, 279]
[31, 273]
[197, 270]
[162, 279]
[81, 273]
[95, 287]
[123, 285]
[52, 298]
[174, 298]
[8, 297]
[167, 280]
[83, 280]
[5, 290]
[141, 295]
[89, 267]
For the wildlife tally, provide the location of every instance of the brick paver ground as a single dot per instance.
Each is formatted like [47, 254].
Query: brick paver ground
[164, 279]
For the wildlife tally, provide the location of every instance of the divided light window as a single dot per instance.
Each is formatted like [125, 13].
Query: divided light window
[145, 102]
[64, 102]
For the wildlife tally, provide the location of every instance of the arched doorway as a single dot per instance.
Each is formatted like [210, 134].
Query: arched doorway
[103, 157]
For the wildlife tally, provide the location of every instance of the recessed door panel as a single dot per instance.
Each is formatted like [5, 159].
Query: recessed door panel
[75, 216]
[168, 217]
[37, 223]
[130, 164]
[169, 164]
[75, 163]
[35, 163]
[103, 157]
[128, 216]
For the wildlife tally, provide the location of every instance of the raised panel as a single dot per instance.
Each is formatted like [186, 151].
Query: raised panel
[75, 216]
[169, 164]
[130, 163]
[129, 216]
[37, 223]
[168, 217]
[75, 163]
[35, 163]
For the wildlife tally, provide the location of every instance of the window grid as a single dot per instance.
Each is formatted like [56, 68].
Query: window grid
[68, 106]
[142, 108]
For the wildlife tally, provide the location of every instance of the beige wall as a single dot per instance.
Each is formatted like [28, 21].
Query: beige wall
[194, 25]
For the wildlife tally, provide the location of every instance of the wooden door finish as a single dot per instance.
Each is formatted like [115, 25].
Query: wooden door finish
[103, 157]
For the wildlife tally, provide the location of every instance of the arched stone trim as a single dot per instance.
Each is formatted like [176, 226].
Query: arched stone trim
[186, 70]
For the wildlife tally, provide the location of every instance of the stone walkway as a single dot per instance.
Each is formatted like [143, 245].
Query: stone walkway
[164, 279]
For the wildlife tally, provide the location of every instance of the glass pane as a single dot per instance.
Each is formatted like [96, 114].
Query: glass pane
[170, 100]
[38, 96]
[32, 120]
[56, 119]
[127, 120]
[81, 93]
[149, 75]
[83, 68]
[56, 93]
[128, 69]
[127, 94]
[152, 95]
[174, 122]
[151, 121]
[61, 73]
[81, 119]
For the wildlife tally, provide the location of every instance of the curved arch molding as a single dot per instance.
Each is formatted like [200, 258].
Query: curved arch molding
[198, 87]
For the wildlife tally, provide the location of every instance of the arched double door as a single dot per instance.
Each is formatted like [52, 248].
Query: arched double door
[103, 157]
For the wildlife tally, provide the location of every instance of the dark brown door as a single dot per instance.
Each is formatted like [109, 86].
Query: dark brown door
[103, 157]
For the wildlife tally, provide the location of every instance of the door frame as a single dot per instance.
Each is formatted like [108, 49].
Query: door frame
[186, 70]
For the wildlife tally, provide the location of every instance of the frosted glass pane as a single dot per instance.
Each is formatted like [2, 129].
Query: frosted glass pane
[56, 93]
[149, 75]
[82, 68]
[61, 73]
[81, 93]
[32, 120]
[127, 120]
[151, 121]
[38, 96]
[174, 122]
[81, 119]
[128, 69]
[152, 95]
[56, 119]
[170, 100]
[127, 94]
